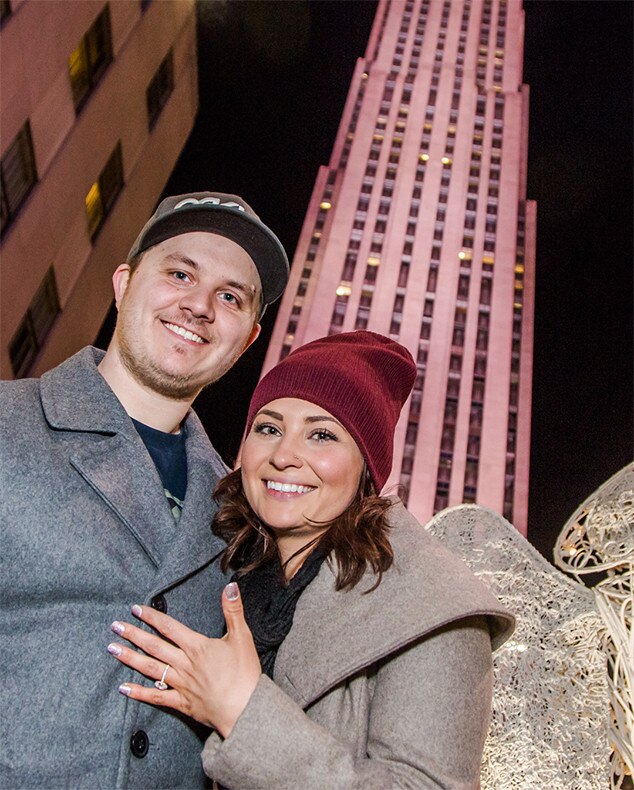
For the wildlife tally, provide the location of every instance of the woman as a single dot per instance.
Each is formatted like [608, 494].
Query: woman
[370, 660]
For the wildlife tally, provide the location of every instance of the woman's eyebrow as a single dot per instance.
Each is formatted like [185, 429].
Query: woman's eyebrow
[317, 418]
[322, 418]
[274, 414]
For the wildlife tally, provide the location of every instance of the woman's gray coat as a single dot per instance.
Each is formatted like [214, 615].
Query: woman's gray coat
[384, 690]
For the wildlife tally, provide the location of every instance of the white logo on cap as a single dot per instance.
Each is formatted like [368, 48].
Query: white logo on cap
[213, 200]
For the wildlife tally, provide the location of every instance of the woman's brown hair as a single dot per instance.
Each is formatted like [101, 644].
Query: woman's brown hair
[356, 539]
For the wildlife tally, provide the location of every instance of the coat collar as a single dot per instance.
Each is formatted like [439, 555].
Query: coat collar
[76, 398]
[426, 588]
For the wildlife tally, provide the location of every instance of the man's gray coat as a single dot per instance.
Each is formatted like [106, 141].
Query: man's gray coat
[86, 533]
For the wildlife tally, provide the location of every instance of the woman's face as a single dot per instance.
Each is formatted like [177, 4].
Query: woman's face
[299, 464]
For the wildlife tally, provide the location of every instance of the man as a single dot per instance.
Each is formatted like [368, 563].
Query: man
[107, 477]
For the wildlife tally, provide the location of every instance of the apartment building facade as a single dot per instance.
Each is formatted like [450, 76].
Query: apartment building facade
[97, 100]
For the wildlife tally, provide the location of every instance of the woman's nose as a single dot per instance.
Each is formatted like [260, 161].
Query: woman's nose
[285, 454]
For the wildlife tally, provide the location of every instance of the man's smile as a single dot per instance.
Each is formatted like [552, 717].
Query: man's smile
[187, 334]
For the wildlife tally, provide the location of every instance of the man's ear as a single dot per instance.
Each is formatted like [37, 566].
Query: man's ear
[120, 280]
[255, 333]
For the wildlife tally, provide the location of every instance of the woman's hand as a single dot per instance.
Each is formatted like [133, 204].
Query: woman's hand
[210, 680]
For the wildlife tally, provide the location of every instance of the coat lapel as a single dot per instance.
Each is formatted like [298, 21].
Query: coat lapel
[118, 471]
[76, 398]
[194, 544]
[336, 634]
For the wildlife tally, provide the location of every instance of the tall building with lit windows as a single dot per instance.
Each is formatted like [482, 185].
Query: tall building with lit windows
[419, 228]
[98, 99]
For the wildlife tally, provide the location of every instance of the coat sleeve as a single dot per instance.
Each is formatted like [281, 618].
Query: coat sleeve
[428, 720]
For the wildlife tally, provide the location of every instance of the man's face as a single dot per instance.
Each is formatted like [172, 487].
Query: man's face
[187, 312]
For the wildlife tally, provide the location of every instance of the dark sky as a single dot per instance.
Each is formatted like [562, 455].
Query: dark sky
[273, 81]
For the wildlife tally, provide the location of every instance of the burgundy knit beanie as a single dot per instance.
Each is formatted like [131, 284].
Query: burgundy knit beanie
[361, 378]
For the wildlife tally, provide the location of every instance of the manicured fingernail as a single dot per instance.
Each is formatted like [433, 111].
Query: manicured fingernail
[136, 610]
[114, 649]
[117, 627]
[125, 690]
[232, 591]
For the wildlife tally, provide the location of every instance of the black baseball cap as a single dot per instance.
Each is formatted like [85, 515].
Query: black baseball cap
[226, 215]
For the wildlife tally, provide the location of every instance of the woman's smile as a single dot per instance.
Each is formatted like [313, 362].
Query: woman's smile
[275, 487]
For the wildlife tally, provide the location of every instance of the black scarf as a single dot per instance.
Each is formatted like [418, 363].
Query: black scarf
[269, 603]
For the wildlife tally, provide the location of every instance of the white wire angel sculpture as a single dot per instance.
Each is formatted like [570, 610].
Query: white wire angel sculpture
[599, 539]
[549, 720]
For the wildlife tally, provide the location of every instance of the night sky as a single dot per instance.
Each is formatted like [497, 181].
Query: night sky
[273, 82]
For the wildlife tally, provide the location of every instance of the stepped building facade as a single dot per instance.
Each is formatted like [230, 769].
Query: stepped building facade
[419, 228]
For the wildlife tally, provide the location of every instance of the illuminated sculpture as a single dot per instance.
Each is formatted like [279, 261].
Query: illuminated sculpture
[549, 723]
[599, 538]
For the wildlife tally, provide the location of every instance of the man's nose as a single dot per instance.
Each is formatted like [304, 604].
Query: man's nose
[199, 302]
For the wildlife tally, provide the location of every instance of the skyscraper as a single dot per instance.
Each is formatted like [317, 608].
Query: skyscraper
[419, 228]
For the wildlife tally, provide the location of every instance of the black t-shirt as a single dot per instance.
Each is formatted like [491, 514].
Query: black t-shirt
[167, 450]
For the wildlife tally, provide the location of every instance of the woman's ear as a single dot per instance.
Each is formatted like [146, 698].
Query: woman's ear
[366, 486]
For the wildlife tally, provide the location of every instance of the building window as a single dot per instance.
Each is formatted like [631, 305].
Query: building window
[444, 468]
[477, 393]
[89, 61]
[160, 89]
[103, 193]
[17, 175]
[473, 446]
[458, 336]
[451, 412]
[34, 327]
[403, 274]
[447, 440]
[370, 274]
[453, 388]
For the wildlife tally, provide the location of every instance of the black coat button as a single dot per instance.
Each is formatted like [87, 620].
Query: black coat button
[139, 743]
[159, 603]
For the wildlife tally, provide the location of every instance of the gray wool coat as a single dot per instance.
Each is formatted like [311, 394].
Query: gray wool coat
[87, 532]
[385, 690]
